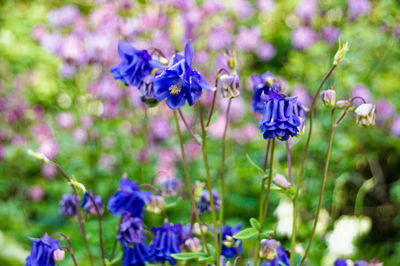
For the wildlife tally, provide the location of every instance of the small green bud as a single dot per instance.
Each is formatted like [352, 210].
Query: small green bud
[341, 52]
[39, 156]
[78, 185]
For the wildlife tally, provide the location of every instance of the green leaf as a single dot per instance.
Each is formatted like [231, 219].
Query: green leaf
[212, 250]
[289, 192]
[254, 223]
[208, 259]
[267, 233]
[246, 233]
[254, 164]
[188, 256]
[214, 117]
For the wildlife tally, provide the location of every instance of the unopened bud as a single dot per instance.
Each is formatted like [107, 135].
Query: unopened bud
[366, 114]
[193, 244]
[229, 242]
[280, 181]
[328, 97]
[232, 62]
[78, 185]
[156, 204]
[342, 103]
[341, 52]
[58, 255]
[268, 249]
[39, 156]
[302, 127]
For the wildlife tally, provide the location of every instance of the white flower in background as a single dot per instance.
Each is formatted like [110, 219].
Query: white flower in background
[366, 114]
[346, 229]
[323, 222]
[284, 213]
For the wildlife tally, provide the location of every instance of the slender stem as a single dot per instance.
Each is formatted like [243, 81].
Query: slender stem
[214, 217]
[212, 105]
[98, 214]
[71, 252]
[221, 212]
[289, 159]
[189, 185]
[188, 127]
[78, 213]
[328, 153]
[266, 201]
[347, 109]
[303, 160]
[115, 241]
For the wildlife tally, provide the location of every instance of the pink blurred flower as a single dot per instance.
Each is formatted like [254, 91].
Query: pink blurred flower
[358, 7]
[303, 37]
[248, 39]
[266, 51]
[360, 90]
[41, 132]
[238, 108]
[143, 156]
[80, 135]
[384, 111]
[18, 140]
[67, 70]
[166, 156]
[2, 152]
[192, 150]
[49, 148]
[111, 108]
[330, 34]
[246, 133]
[243, 9]
[210, 7]
[63, 16]
[65, 120]
[72, 49]
[306, 9]
[216, 129]
[219, 38]
[302, 95]
[48, 170]
[266, 5]
[160, 128]
[36, 193]
[107, 162]
[87, 121]
[395, 129]
[51, 42]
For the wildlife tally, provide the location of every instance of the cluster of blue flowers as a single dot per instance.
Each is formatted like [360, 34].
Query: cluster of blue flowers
[178, 82]
[283, 117]
[68, 207]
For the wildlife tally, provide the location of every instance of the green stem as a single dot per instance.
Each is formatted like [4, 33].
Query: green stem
[205, 158]
[189, 185]
[115, 241]
[221, 212]
[328, 153]
[303, 160]
[98, 214]
[264, 203]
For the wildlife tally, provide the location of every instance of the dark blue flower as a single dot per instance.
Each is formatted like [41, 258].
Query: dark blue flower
[87, 203]
[167, 240]
[170, 187]
[146, 90]
[261, 86]
[131, 231]
[282, 117]
[204, 204]
[360, 263]
[340, 262]
[230, 252]
[128, 199]
[67, 205]
[179, 82]
[135, 255]
[42, 251]
[134, 64]
[281, 258]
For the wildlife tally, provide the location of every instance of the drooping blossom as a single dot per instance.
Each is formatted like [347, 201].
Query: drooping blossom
[261, 86]
[204, 204]
[281, 258]
[42, 251]
[67, 205]
[230, 252]
[88, 205]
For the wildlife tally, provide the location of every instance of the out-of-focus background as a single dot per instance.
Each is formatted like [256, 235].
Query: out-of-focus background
[57, 97]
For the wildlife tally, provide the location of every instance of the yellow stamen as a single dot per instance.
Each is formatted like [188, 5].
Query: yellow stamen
[174, 89]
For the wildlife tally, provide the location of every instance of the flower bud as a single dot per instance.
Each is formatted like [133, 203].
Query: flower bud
[268, 249]
[232, 62]
[39, 156]
[78, 185]
[302, 127]
[58, 255]
[193, 244]
[146, 90]
[229, 242]
[196, 228]
[229, 85]
[342, 103]
[156, 204]
[280, 181]
[328, 97]
[366, 114]
[341, 53]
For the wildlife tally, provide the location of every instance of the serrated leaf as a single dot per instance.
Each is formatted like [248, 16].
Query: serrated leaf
[246, 233]
[254, 164]
[254, 223]
[188, 256]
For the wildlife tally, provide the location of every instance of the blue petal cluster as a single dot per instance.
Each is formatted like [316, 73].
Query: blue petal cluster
[167, 240]
[282, 258]
[230, 252]
[204, 204]
[67, 205]
[134, 64]
[87, 204]
[261, 86]
[343, 262]
[128, 199]
[132, 238]
[179, 83]
[170, 187]
[42, 251]
[281, 117]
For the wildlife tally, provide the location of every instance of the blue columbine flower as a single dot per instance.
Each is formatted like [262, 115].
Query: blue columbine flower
[282, 117]
[134, 64]
[132, 238]
[67, 205]
[170, 187]
[179, 82]
[87, 204]
[146, 90]
[128, 199]
[204, 204]
[167, 240]
[230, 252]
[281, 258]
[261, 86]
[42, 251]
